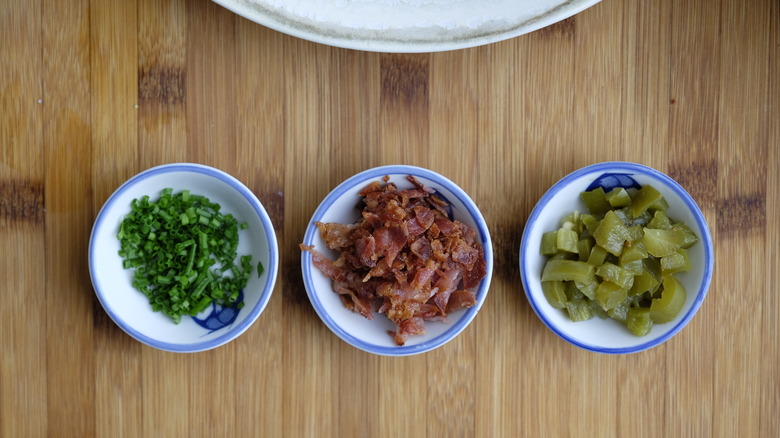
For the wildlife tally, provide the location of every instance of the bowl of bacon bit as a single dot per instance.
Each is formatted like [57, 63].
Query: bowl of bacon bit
[397, 260]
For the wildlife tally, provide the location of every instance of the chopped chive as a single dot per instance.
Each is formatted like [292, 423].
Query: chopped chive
[179, 247]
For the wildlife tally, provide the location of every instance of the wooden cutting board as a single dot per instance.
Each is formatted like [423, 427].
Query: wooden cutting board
[93, 92]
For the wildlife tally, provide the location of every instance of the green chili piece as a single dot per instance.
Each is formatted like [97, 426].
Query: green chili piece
[634, 268]
[548, 246]
[566, 240]
[588, 289]
[611, 233]
[672, 299]
[579, 310]
[633, 253]
[618, 197]
[660, 221]
[638, 321]
[555, 292]
[619, 312]
[609, 294]
[689, 237]
[584, 247]
[597, 256]
[644, 282]
[661, 243]
[675, 262]
[615, 274]
[568, 270]
[590, 222]
[596, 201]
[645, 198]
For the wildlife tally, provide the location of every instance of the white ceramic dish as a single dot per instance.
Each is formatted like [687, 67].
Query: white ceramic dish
[340, 206]
[131, 310]
[606, 335]
[406, 25]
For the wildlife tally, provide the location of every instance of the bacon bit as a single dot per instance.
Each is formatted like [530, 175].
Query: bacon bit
[405, 258]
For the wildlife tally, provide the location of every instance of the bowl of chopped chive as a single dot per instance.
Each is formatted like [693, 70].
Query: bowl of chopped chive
[183, 257]
[616, 258]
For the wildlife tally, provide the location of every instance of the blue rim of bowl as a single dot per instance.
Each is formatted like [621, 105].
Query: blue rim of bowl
[706, 240]
[271, 269]
[362, 179]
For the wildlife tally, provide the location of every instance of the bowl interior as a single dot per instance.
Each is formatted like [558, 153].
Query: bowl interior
[341, 206]
[606, 335]
[131, 310]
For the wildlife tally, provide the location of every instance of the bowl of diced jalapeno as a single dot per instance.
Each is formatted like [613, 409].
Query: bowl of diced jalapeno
[616, 258]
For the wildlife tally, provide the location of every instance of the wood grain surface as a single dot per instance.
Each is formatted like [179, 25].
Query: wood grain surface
[95, 91]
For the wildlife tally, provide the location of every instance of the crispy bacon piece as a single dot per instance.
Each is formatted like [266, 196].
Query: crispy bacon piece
[405, 258]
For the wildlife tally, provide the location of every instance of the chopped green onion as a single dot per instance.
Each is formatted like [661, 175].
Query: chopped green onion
[180, 248]
[260, 269]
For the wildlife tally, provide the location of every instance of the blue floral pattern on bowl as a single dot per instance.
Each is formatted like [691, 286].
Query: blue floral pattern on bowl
[220, 317]
[610, 180]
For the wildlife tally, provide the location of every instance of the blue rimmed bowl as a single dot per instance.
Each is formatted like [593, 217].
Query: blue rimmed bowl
[340, 206]
[131, 310]
[606, 335]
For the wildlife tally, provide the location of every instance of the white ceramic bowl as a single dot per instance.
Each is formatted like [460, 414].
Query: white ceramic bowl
[606, 335]
[131, 310]
[340, 206]
[406, 25]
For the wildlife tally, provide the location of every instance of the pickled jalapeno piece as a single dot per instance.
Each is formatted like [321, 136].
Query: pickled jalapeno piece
[555, 292]
[666, 308]
[596, 201]
[661, 243]
[639, 321]
[611, 233]
[568, 270]
[646, 197]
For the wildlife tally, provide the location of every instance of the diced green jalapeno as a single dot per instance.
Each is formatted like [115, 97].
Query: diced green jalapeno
[548, 246]
[611, 233]
[661, 243]
[588, 289]
[572, 292]
[660, 221]
[618, 197]
[590, 222]
[634, 268]
[555, 292]
[644, 282]
[596, 201]
[568, 270]
[667, 307]
[610, 295]
[675, 262]
[597, 256]
[689, 237]
[584, 246]
[634, 234]
[620, 312]
[646, 197]
[639, 321]
[566, 240]
[615, 274]
[579, 310]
